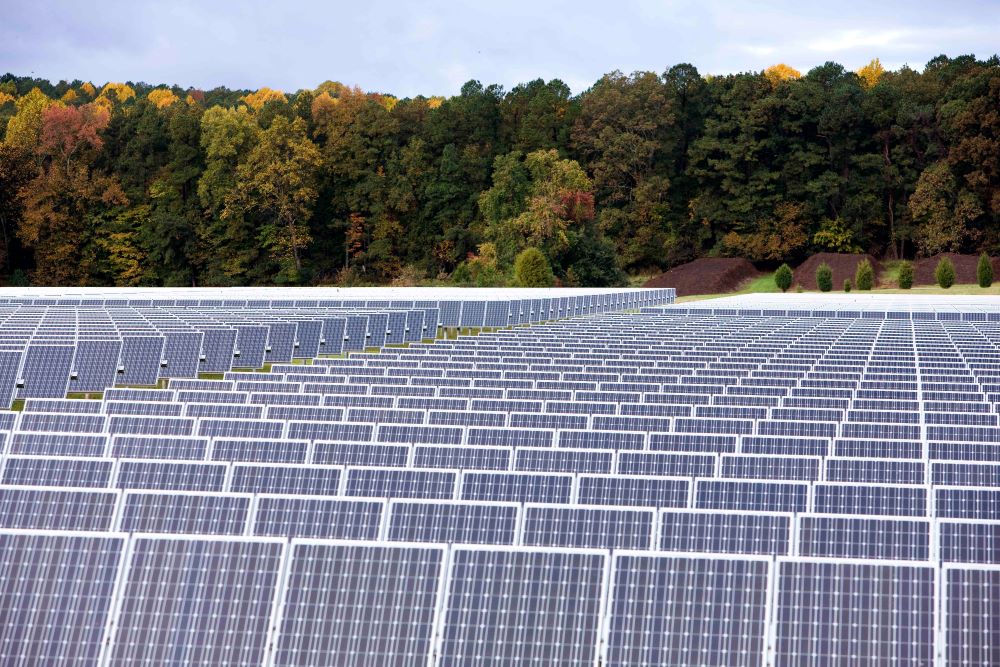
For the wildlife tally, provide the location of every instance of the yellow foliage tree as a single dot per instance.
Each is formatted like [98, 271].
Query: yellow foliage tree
[24, 126]
[257, 100]
[5, 98]
[69, 96]
[871, 73]
[162, 97]
[88, 89]
[117, 92]
[332, 88]
[781, 72]
[435, 102]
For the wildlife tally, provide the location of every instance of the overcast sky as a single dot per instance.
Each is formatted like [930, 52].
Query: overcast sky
[432, 47]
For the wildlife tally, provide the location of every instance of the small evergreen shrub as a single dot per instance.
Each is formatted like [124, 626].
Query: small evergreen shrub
[945, 273]
[824, 277]
[905, 275]
[864, 276]
[531, 269]
[19, 278]
[984, 271]
[783, 277]
[847, 285]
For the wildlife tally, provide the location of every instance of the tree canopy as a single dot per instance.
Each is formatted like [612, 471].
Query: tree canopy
[129, 183]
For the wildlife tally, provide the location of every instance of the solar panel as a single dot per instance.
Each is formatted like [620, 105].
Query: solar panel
[970, 614]
[854, 612]
[447, 522]
[359, 604]
[219, 612]
[94, 365]
[714, 611]
[326, 518]
[57, 509]
[725, 532]
[140, 361]
[181, 350]
[59, 588]
[46, 371]
[865, 538]
[513, 606]
[185, 513]
[10, 363]
[588, 527]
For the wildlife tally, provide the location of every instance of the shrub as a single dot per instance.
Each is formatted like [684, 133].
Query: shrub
[19, 278]
[783, 277]
[847, 285]
[531, 269]
[824, 277]
[984, 271]
[905, 275]
[945, 273]
[864, 276]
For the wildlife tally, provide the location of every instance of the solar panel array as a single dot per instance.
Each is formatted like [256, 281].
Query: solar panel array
[674, 486]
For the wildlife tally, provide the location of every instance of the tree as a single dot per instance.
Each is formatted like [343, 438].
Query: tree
[984, 271]
[531, 269]
[535, 201]
[783, 277]
[871, 73]
[905, 275]
[16, 170]
[824, 277]
[847, 284]
[942, 212]
[864, 275]
[24, 127]
[277, 183]
[944, 273]
[781, 72]
[63, 203]
[162, 97]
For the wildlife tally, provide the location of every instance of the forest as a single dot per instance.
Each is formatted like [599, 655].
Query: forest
[134, 184]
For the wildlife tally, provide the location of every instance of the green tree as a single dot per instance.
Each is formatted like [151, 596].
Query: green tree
[944, 273]
[531, 269]
[824, 277]
[864, 276]
[277, 185]
[984, 271]
[783, 277]
[905, 275]
[942, 212]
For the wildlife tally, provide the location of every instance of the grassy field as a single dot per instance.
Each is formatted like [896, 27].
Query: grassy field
[888, 277]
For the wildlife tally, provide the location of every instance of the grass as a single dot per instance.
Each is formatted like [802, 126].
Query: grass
[888, 280]
[762, 284]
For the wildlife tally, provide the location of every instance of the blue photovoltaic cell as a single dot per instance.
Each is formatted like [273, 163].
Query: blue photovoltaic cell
[280, 342]
[462, 458]
[971, 616]
[443, 522]
[218, 612]
[56, 509]
[953, 503]
[853, 613]
[359, 604]
[327, 518]
[870, 499]
[171, 476]
[76, 472]
[56, 593]
[250, 342]
[518, 607]
[753, 496]
[713, 613]
[95, 364]
[307, 336]
[140, 360]
[969, 542]
[517, 487]
[46, 371]
[633, 491]
[185, 513]
[398, 483]
[865, 538]
[181, 350]
[260, 451]
[725, 532]
[588, 527]
[10, 363]
[289, 479]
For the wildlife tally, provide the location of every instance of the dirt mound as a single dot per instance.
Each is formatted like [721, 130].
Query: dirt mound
[965, 268]
[708, 275]
[842, 265]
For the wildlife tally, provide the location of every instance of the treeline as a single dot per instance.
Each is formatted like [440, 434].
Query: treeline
[132, 184]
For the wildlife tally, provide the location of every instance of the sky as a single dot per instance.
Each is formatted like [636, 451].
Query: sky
[431, 47]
